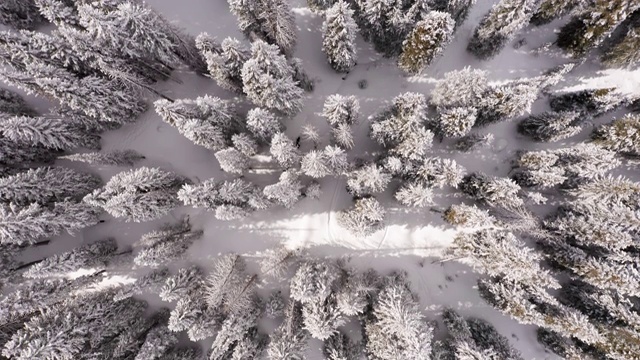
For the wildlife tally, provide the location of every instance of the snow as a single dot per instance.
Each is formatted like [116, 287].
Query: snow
[413, 238]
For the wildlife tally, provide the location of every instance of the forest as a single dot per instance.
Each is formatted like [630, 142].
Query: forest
[319, 179]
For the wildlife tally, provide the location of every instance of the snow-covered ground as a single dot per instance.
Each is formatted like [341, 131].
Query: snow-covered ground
[413, 239]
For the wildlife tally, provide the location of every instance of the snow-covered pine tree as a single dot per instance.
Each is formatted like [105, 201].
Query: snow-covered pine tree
[268, 79]
[394, 327]
[232, 161]
[21, 14]
[468, 216]
[322, 318]
[278, 24]
[287, 191]
[289, 340]
[314, 164]
[166, 245]
[551, 126]
[438, 172]
[548, 10]
[368, 179]
[138, 195]
[456, 121]
[157, 343]
[592, 102]
[416, 194]
[460, 343]
[12, 104]
[427, 40]
[225, 64]
[496, 192]
[356, 290]
[284, 150]
[235, 196]
[503, 102]
[592, 24]
[364, 218]
[624, 53]
[320, 5]
[112, 158]
[274, 305]
[487, 338]
[235, 329]
[263, 124]
[49, 132]
[47, 184]
[458, 9]
[94, 257]
[473, 141]
[499, 26]
[225, 281]
[338, 37]
[339, 109]
[621, 135]
[149, 283]
[310, 133]
[244, 143]
[340, 347]
[342, 136]
[336, 159]
[314, 281]
[207, 121]
[460, 88]
[187, 282]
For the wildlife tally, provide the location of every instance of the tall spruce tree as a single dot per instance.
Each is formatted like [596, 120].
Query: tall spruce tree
[50, 132]
[426, 41]
[339, 36]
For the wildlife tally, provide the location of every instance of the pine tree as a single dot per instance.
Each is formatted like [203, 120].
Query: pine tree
[235, 328]
[274, 305]
[310, 133]
[94, 256]
[51, 133]
[157, 344]
[187, 282]
[113, 158]
[232, 160]
[551, 126]
[287, 191]
[592, 24]
[426, 41]
[507, 101]
[211, 195]
[336, 159]
[289, 340]
[340, 347]
[622, 135]
[322, 318]
[319, 5]
[438, 172]
[395, 328]
[548, 10]
[496, 192]
[338, 37]
[12, 104]
[138, 195]
[313, 281]
[499, 26]
[207, 121]
[624, 53]
[244, 143]
[457, 121]
[149, 283]
[591, 102]
[225, 64]
[227, 276]
[339, 109]
[458, 9]
[415, 194]
[364, 218]
[314, 164]
[284, 151]
[355, 292]
[468, 216]
[368, 179]
[278, 25]
[268, 80]
[166, 245]
[263, 124]
[460, 88]
[473, 142]
[487, 337]
[47, 184]
[21, 14]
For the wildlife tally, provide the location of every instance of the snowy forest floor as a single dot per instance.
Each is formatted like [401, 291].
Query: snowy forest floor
[413, 238]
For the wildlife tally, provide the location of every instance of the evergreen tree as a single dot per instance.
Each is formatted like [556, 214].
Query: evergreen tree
[232, 160]
[289, 340]
[187, 282]
[284, 151]
[21, 14]
[499, 26]
[314, 164]
[166, 245]
[313, 281]
[12, 104]
[551, 126]
[354, 294]
[113, 158]
[336, 159]
[395, 328]
[548, 10]
[473, 142]
[157, 344]
[340, 347]
[138, 195]
[244, 143]
[322, 318]
[592, 24]
[268, 79]
[47, 184]
[624, 54]
[487, 338]
[496, 192]
[591, 102]
[207, 121]
[237, 327]
[339, 109]
[278, 24]
[460, 88]
[338, 37]
[621, 135]
[458, 9]
[225, 64]
[342, 136]
[415, 194]
[149, 283]
[426, 41]
[457, 121]
[94, 256]
[438, 172]
[287, 191]
[263, 124]
[508, 101]
[310, 133]
[274, 305]
[319, 5]
[227, 277]
[233, 194]
[468, 216]
[364, 218]
[368, 179]
[51, 133]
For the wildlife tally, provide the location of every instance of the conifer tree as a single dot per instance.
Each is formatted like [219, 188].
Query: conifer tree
[368, 179]
[157, 343]
[338, 37]
[507, 101]
[458, 9]
[622, 135]
[138, 195]
[592, 24]
[287, 191]
[457, 121]
[207, 121]
[336, 159]
[289, 340]
[112, 158]
[225, 64]
[148, 283]
[340, 109]
[548, 10]
[426, 41]
[415, 194]
[268, 79]
[314, 164]
[364, 218]
[166, 245]
[232, 161]
[12, 104]
[47, 184]
[499, 26]
[551, 126]
[263, 124]
[51, 133]
[278, 24]
[624, 54]
[488, 339]
[340, 347]
[237, 196]
[94, 256]
[284, 151]
[21, 14]
[591, 102]
[187, 282]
